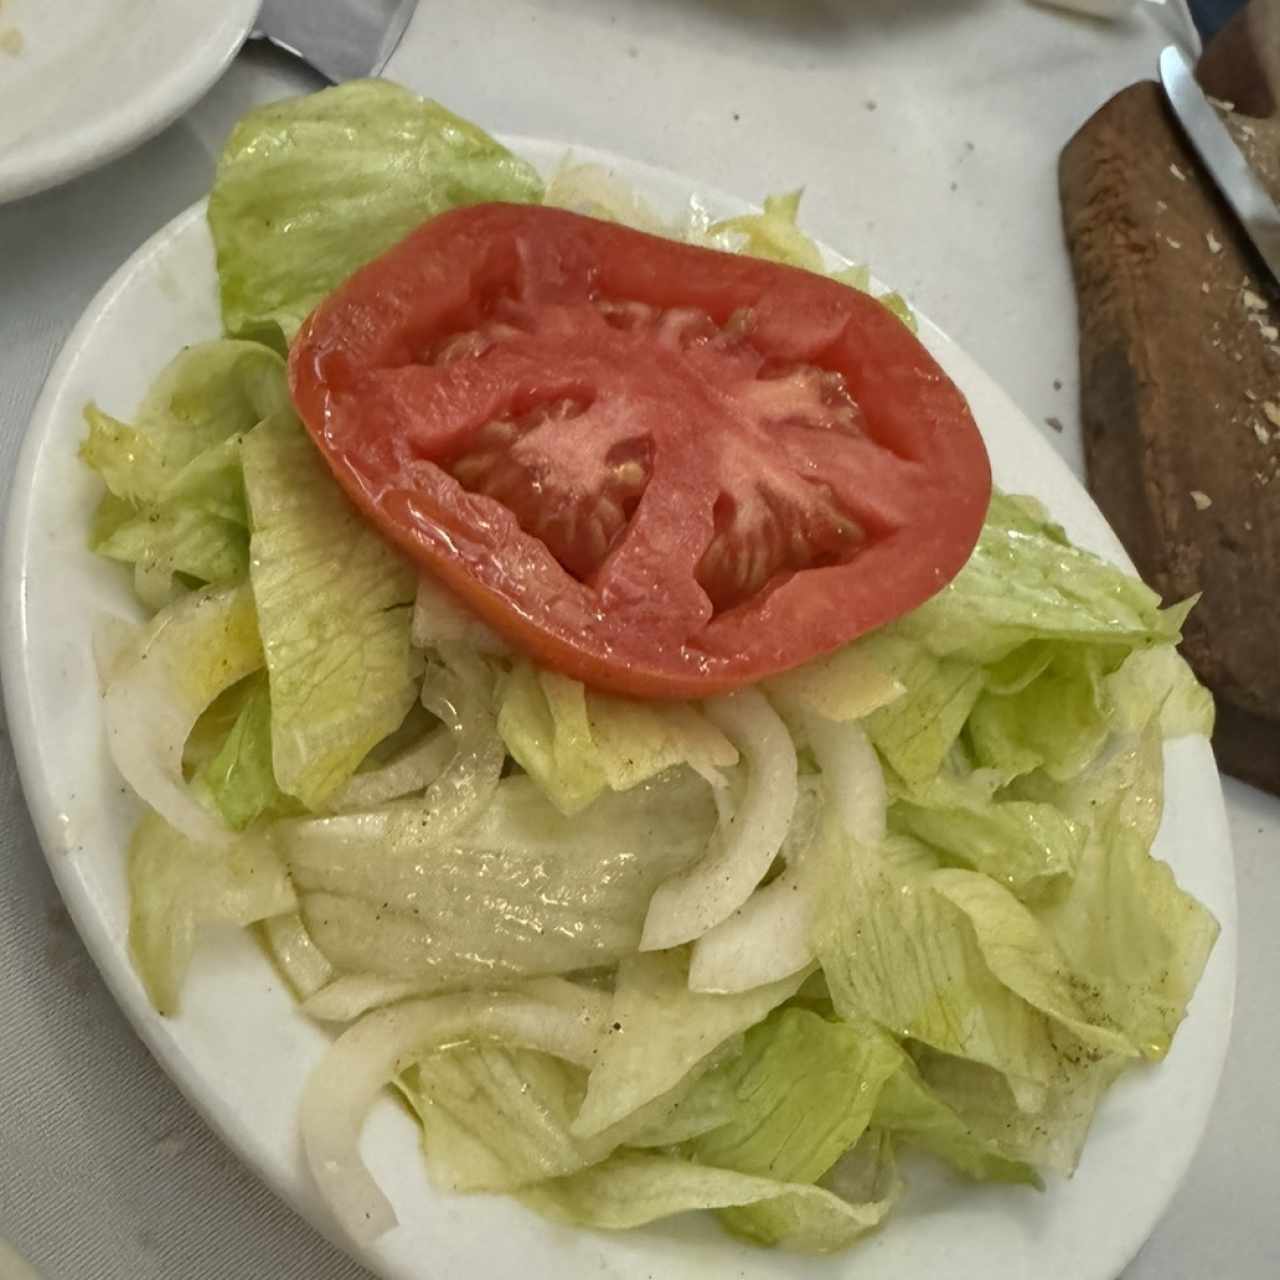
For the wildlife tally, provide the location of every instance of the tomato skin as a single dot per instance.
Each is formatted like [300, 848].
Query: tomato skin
[857, 511]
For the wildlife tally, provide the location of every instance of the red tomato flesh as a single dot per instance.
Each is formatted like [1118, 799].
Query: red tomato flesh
[664, 470]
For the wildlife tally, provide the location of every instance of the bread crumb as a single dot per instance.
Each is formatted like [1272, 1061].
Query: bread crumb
[1201, 499]
[1250, 396]
[1172, 243]
[1248, 526]
[11, 42]
[1264, 436]
[1160, 204]
[1220, 104]
[1204, 287]
[1215, 245]
[1252, 302]
[1177, 173]
[1269, 332]
[1272, 410]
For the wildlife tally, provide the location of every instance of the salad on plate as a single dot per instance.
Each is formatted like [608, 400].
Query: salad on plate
[589, 653]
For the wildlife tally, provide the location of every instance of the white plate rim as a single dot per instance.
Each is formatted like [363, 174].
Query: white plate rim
[136, 116]
[16, 667]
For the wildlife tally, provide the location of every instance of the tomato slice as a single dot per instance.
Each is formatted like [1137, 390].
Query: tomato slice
[662, 469]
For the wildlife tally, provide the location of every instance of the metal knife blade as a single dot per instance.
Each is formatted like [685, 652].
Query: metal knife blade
[341, 39]
[1237, 181]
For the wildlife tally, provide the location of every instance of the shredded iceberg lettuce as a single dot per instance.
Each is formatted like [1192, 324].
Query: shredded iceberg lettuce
[623, 959]
[311, 188]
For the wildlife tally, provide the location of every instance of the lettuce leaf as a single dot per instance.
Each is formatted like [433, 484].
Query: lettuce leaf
[774, 233]
[1057, 722]
[311, 188]
[908, 1109]
[1136, 942]
[333, 602]
[498, 1119]
[916, 731]
[575, 742]
[175, 501]
[632, 1188]
[239, 776]
[897, 952]
[1026, 846]
[1026, 581]
[804, 1090]
[659, 1031]
[1047, 1131]
[519, 890]
[176, 885]
[209, 394]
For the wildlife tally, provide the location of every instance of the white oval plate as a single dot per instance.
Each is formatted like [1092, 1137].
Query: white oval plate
[94, 78]
[240, 1050]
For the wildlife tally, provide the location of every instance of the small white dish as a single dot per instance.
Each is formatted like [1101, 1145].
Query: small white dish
[241, 1051]
[83, 81]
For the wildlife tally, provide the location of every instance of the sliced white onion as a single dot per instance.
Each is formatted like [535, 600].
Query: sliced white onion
[345, 998]
[743, 846]
[458, 793]
[550, 1015]
[159, 685]
[768, 937]
[295, 951]
[440, 618]
[854, 778]
[410, 771]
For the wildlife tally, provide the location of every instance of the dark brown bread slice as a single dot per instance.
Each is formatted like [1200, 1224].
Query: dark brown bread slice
[1180, 399]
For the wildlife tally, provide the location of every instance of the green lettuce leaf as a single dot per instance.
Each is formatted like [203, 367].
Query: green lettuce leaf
[804, 1090]
[659, 1031]
[575, 742]
[499, 1119]
[1026, 581]
[206, 396]
[176, 885]
[175, 501]
[774, 233]
[899, 953]
[1136, 942]
[1158, 682]
[1047, 1132]
[543, 722]
[334, 623]
[848, 684]
[1027, 847]
[521, 889]
[916, 731]
[311, 188]
[908, 1109]
[239, 776]
[633, 1188]
[1057, 722]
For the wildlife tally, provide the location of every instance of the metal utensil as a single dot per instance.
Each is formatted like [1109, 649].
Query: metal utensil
[1244, 192]
[341, 39]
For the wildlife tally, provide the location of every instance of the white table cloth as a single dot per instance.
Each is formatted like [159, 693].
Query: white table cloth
[927, 135]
